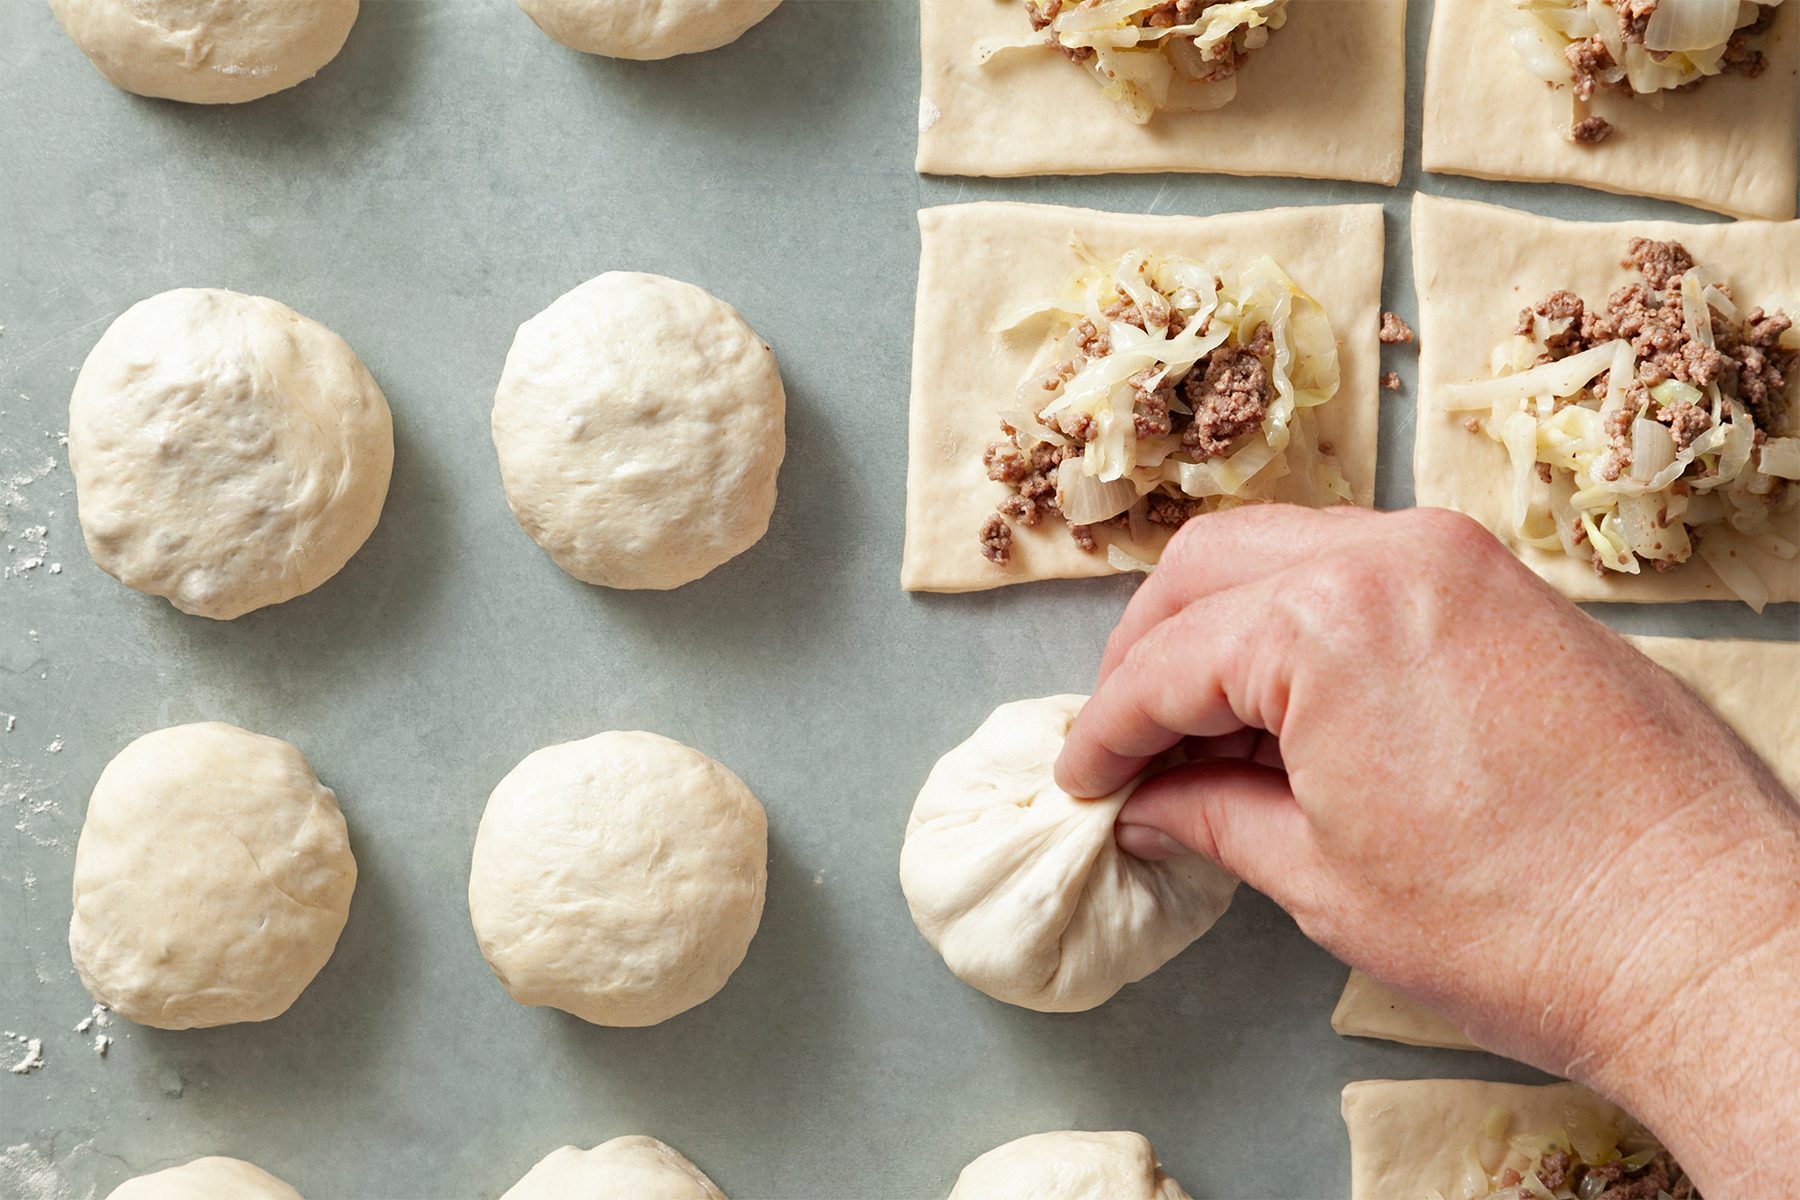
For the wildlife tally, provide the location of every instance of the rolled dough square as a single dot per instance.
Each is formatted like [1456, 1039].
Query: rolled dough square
[1325, 99]
[1729, 145]
[1754, 686]
[1475, 266]
[982, 262]
[1411, 1138]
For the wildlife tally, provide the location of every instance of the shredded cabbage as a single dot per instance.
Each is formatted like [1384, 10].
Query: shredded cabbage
[1497, 1165]
[1595, 474]
[1186, 66]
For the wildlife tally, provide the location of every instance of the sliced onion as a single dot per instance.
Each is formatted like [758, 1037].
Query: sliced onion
[1691, 24]
[1652, 449]
[1122, 562]
[1085, 500]
[1725, 555]
[1781, 458]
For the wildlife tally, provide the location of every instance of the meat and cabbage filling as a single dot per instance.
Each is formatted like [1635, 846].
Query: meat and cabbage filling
[1639, 48]
[1590, 1158]
[1649, 428]
[1164, 390]
[1151, 55]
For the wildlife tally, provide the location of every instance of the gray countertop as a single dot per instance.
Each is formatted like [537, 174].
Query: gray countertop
[451, 173]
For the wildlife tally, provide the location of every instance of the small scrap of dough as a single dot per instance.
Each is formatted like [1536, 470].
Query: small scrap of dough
[228, 452]
[1475, 266]
[206, 1179]
[1750, 684]
[1412, 1138]
[205, 51]
[619, 878]
[1070, 1165]
[640, 423]
[626, 1168]
[981, 263]
[1022, 888]
[212, 878]
[1728, 146]
[1325, 99]
[646, 29]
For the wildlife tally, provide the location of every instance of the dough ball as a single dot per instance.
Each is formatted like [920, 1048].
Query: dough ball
[626, 1168]
[619, 878]
[1068, 1166]
[212, 879]
[228, 452]
[646, 28]
[206, 1179]
[207, 51]
[640, 424]
[1022, 888]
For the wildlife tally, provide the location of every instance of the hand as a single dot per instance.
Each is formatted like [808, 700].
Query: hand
[1460, 783]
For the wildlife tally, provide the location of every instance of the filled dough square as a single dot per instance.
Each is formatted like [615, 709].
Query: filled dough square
[1728, 146]
[1412, 1138]
[1475, 266]
[980, 263]
[1737, 678]
[1325, 99]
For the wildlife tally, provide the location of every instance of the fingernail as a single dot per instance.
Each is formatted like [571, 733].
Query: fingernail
[1151, 845]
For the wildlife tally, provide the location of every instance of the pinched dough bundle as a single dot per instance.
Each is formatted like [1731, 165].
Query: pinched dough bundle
[1068, 1166]
[619, 878]
[640, 424]
[1022, 888]
[207, 51]
[626, 1168]
[228, 452]
[646, 28]
[212, 878]
[206, 1179]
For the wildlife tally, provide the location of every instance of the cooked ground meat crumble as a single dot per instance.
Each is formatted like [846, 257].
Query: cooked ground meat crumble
[1563, 1170]
[1394, 330]
[1391, 381]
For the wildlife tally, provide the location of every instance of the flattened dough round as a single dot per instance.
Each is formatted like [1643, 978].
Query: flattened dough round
[228, 452]
[1022, 888]
[641, 424]
[646, 28]
[626, 1168]
[619, 878]
[206, 1179]
[207, 51]
[212, 878]
[1068, 1166]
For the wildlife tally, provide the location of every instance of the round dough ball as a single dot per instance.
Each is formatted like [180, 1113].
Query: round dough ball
[619, 878]
[1022, 888]
[626, 1168]
[207, 51]
[1068, 1166]
[640, 425]
[228, 452]
[206, 1179]
[212, 878]
[646, 28]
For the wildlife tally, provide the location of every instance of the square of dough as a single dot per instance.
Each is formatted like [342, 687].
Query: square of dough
[1325, 99]
[1729, 145]
[1754, 686]
[979, 263]
[1411, 1138]
[1475, 266]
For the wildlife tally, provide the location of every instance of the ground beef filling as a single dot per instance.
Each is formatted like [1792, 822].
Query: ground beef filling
[1166, 15]
[1560, 1169]
[1589, 59]
[1394, 330]
[1227, 392]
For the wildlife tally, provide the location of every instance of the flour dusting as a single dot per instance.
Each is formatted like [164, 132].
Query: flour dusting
[33, 1053]
[27, 1173]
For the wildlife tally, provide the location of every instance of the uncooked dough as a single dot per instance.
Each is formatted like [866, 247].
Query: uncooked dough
[1325, 99]
[981, 263]
[640, 425]
[206, 1179]
[1070, 1165]
[646, 28]
[1750, 684]
[626, 1168]
[212, 878]
[619, 878]
[228, 453]
[1475, 266]
[1022, 888]
[1728, 145]
[207, 51]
